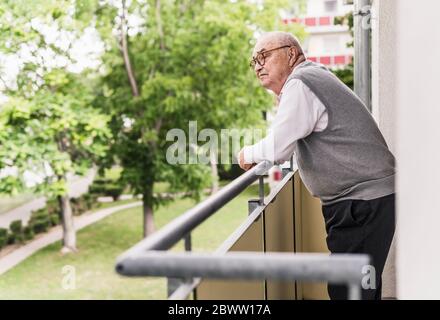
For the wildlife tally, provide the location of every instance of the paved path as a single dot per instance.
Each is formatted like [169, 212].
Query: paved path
[76, 188]
[15, 257]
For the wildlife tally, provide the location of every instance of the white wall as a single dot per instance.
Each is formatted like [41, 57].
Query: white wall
[405, 78]
[417, 90]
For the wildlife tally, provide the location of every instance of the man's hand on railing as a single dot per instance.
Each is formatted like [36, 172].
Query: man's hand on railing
[242, 164]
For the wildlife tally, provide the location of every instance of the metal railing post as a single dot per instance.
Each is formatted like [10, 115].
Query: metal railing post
[362, 48]
[261, 190]
[187, 242]
[174, 283]
[184, 270]
[252, 205]
[285, 171]
[354, 291]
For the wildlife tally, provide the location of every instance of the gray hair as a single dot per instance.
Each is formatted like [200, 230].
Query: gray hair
[283, 39]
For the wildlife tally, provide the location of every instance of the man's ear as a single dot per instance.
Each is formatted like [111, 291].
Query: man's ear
[292, 55]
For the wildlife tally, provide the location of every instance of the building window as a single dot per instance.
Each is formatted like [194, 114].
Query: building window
[330, 6]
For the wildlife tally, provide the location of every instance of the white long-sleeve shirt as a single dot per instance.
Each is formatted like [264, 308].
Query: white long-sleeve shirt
[299, 113]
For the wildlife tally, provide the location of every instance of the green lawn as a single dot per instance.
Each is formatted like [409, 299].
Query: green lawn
[40, 276]
[115, 172]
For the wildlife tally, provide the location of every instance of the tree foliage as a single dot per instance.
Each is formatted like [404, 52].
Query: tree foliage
[189, 60]
[48, 126]
[166, 62]
[346, 74]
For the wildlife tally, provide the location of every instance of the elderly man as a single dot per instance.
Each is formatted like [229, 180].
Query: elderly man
[342, 157]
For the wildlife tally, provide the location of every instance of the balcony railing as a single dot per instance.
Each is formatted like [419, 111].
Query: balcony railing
[265, 256]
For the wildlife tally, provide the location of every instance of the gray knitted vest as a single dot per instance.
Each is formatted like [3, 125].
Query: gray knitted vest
[350, 158]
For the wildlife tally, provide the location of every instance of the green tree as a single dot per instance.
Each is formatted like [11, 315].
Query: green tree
[54, 133]
[48, 125]
[181, 61]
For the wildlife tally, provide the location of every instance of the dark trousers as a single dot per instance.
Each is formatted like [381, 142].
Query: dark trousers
[361, 226]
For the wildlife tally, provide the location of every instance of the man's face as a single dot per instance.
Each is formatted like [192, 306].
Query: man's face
[275, 70]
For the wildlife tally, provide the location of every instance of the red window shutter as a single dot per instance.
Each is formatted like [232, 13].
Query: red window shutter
[324, 60]
[310, 22]
[324, 21]
[339, 59]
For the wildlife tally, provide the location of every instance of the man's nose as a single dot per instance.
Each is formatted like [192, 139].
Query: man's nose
[258, 67]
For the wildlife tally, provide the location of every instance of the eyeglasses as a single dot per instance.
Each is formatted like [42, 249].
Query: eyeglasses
[261, 57]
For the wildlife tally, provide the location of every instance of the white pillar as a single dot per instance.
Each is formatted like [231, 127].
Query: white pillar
[384, 107]
[384, 67]
[417, 91]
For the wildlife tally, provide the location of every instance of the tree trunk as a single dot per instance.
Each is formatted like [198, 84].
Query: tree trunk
[148, 219]
[159, 25]
[125, 54]
[214, 172]
[147, 208]
[69, 233]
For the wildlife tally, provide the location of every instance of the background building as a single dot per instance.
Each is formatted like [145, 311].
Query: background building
[326, 42]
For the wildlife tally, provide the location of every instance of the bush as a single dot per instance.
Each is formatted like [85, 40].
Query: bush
[40, 225]
[39, 213]
[78, 205]
[98, 186]
[114, 192]
[98, 190]
[106, 187]
[28, 233]
[52, 206]
[40, 221]
[3, 232]
[84, 203]
[19, 238]
[54, 219]
[90, 200]
[3, 237]
[16, 226]
[11, 238]
[3, 242]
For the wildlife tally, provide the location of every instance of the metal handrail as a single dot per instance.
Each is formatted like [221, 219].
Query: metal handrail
[336, 269]
[147, 258]
[174, 231]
